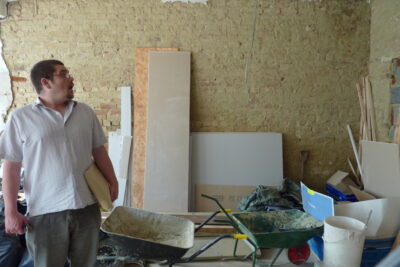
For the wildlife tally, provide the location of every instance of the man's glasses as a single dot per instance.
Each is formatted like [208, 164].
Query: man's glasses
[64, 75]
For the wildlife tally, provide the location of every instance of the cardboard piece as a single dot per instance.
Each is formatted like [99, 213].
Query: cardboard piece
[140, 122]
[228, 195]
[381, 168]
[99, 187]
[361, 195]
[341, 181]
[166, 182]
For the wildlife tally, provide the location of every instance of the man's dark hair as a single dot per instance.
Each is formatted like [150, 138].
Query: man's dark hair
[43, 69]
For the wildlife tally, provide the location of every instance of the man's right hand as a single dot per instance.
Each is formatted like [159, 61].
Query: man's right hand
[15, 223]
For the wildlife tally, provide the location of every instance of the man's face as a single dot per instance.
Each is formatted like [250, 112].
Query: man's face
[61, 85]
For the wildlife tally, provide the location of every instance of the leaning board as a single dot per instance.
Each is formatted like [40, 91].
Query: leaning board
[140, 122]
[166, 179]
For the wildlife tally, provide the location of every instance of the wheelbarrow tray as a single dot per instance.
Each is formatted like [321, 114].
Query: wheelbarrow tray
[149, 235]
[278, 229]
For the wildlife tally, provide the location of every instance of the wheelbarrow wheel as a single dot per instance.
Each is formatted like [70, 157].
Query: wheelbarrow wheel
[300, 254]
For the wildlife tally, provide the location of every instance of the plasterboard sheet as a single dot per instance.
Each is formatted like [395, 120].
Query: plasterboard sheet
[140, 123]
[237, 159]
[124, 156]
[5, 90]
[114, 149]
[166, 183]
[381, 168]
[126, 116]
[119, 148]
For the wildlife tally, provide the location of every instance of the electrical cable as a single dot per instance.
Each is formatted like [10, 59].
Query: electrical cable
[250, 54]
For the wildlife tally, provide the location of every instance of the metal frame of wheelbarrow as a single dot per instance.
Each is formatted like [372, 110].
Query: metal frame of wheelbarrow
[170, 261]
[279, 239]
[213, 242]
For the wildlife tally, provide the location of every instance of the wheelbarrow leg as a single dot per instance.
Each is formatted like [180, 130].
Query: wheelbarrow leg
[191, 258]
[253, 254]
[235, 248]
[276, 257]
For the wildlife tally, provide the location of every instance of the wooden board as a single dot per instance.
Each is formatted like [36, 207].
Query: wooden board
[166, 183]
[216, 229]
[140, 122]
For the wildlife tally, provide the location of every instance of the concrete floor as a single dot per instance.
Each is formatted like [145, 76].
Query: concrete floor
[231, 264]
[263, 261]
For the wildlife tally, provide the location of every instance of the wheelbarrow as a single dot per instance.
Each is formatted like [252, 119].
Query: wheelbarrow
[147, 236]
[273, 229]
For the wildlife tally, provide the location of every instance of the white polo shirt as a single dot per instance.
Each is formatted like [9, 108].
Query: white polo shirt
[55, 151]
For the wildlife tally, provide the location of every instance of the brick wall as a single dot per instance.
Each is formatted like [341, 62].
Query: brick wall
[307, 57]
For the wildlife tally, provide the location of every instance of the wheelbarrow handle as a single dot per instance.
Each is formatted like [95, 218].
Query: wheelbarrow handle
[223, 210]
[213, 198]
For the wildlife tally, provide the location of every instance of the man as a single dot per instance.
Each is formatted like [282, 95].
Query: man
[55, 139]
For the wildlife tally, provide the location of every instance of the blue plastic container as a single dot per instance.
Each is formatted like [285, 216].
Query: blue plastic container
[374, 249]
[338, 195]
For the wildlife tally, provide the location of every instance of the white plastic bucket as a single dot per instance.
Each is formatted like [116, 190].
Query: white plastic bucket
[343, 241]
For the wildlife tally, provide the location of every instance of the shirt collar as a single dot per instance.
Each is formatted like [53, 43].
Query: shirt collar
[38, 102]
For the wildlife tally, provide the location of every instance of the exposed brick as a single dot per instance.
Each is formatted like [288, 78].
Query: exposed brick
[105, 106]
[18, 79]
[321, 48]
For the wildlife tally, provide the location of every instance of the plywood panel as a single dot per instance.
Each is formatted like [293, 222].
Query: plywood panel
[140, 122]
[167, 144]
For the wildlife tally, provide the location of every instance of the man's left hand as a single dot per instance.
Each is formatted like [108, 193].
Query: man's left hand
[114, 191]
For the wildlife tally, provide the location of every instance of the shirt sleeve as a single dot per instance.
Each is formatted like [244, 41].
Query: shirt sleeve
[99, 138]
[11, 144]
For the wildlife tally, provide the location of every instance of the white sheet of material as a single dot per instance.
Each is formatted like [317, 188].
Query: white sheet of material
[5, 90]
[119, 148]
[126, 114]
[114, 149]
[166, 179]
[237, 158]
[381, 168]
[385, 216]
